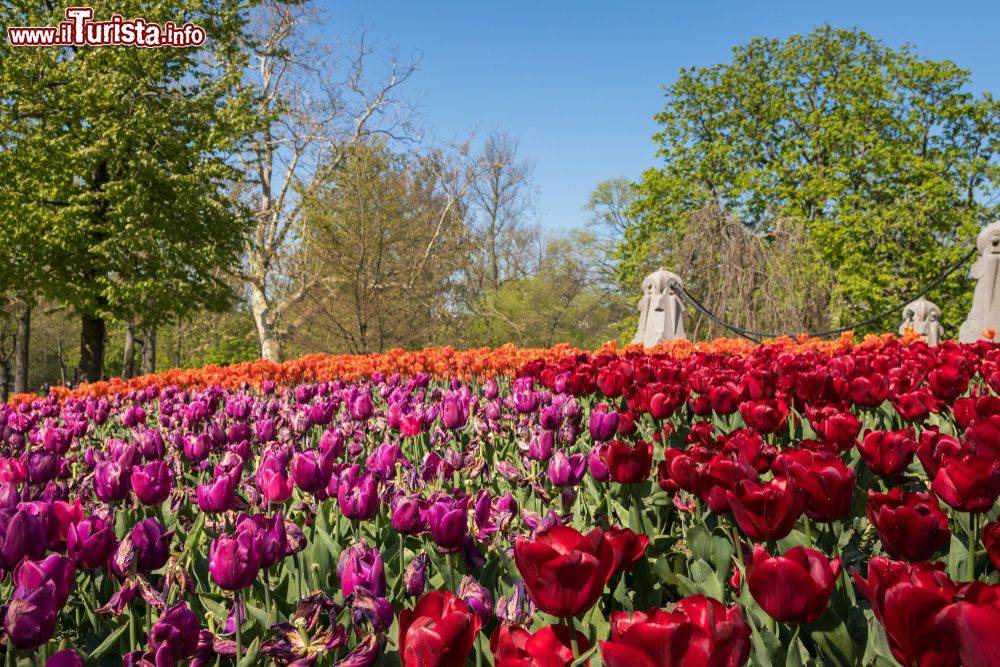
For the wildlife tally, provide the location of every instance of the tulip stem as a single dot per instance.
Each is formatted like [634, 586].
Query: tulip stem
[133, 630]
[809, 537]
[267, 591]
[970, 567]
[571, 624]
[239, 639]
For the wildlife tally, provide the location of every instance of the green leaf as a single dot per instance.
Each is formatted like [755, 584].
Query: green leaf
[108, 642]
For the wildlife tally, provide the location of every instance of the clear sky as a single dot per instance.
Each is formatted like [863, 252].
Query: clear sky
[578, 82]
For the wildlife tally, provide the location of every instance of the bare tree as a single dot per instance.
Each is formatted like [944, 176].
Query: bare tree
[313, 107]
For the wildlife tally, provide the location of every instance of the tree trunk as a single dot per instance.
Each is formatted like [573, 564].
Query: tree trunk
[270, 346]
[92, 332]
[149, 349]
[128, 361]
[21, 342]
[4, 381]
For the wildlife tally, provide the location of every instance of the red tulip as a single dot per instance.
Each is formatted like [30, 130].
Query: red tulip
[907, 600]
[766, 511]
[565, 572]
[699, 631]
[911, 526]
[629, 464]
[629, 547]
[513, 646]
[967, 482]
[973, 623]
[888, 453]
[438, 632]
[765, 416]
[835, 427]
[991, 540]
[827, 483]
[794, 587]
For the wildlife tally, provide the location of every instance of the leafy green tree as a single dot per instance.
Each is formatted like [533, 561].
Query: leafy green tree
[886, 158]
[115, 166]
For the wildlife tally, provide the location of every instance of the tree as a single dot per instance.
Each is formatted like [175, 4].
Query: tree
[312, 108]
[116, 158]
[886, 159]
[382, 238]
[502, 238]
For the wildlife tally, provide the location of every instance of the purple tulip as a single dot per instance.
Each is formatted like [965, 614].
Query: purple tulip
[361, 565]
[234, 560]
[415, 577]
[567, 470]
[218, 495]
[264, 430]
[111, 481]
[518, 608]
[449, 522]
[309, 472]
[197, 447]
[357, 495]
[407, 515]
[22, 535]
[153, 482]
[598, 468]
[477, 597]
[272, 477]
[151, 544]
[603, 424]
[31, 616]
[454, 415]
[361, 407]
[65, 658]
[43, 466]
[550, 418]
[274, 539]
[177, 629]
[540, 446]
[90, 542]
[56, 568]
[525, 401]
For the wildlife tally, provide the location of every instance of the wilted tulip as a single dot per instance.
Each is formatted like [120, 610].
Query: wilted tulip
[668, 638]
[477, 597]
[794, 587]
[565, 572]
[439, 631]
[415, 577]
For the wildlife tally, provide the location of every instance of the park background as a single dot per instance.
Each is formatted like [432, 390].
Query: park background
[356, 177]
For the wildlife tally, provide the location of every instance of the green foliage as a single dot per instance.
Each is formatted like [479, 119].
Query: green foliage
[113, 177]
[886, 157]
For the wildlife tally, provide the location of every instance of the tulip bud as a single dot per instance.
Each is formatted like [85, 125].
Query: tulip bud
[477, 597]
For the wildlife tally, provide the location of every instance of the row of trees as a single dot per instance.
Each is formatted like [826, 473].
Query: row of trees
[268, 195]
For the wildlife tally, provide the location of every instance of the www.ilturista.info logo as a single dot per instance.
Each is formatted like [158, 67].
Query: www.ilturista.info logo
[79, 30]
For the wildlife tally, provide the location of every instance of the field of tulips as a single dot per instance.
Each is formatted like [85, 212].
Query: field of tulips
[719, 505]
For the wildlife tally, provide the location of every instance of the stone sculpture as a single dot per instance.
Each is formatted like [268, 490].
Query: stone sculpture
[985, 311]
[924, 317]
[661, 313]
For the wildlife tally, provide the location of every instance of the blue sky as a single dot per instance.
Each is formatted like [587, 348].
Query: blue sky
[578, 82]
